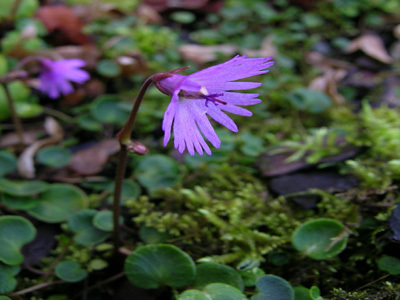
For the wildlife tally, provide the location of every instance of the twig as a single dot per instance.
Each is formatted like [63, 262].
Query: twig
[37, 287]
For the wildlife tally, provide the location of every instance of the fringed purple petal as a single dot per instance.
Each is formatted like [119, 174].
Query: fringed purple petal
[220, 117]
[240, 98]
[236, 110]
[169, 116]
[237, 68]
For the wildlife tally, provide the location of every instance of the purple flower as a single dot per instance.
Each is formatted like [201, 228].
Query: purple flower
[55, 76]
[208, 92]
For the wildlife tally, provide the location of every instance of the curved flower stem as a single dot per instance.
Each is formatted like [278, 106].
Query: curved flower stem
[124, 137]
[14, 115]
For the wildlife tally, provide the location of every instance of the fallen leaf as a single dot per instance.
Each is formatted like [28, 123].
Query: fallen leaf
[203, 54]
[64, 26]
[26, 165]
[327, 83]
[322, 62]
[92, 160]
[148, 14]
[12, 140]
[275, 163]
[372, 45]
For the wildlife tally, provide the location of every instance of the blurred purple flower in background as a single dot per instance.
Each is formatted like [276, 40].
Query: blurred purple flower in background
[55, 76]
[206, 93]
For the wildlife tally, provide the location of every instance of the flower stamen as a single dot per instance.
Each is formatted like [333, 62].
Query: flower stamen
[215, 101]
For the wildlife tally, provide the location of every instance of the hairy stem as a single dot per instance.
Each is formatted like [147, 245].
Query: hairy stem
[14, 115]
[124, 137]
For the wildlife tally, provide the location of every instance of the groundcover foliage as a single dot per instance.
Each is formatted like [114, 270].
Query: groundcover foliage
[299, 199]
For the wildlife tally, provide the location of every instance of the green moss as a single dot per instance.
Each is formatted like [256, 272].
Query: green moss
[382, 291]
[229, 216]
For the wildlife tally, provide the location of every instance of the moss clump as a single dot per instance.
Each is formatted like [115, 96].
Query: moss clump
[378, 167]
[229, 215]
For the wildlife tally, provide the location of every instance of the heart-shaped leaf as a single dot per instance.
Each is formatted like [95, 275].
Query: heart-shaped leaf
[86, 233]
[14, 233]
[58, 203]
[152, 266]
[70, 271]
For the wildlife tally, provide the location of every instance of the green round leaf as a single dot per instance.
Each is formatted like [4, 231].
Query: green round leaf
[70, 271]
[87, 122]
[4, 297]
[8, 162]
[309, 100]
[7, 284]
[222, 291]
[97, 264]
[103, 220]
[184, 17]
[28, 110]
[15, 202]
[130, 189]
[153, 266]
[58, 203]
[19, 92]
[208, 273]
[389, 264]
[86, 233]
[108, 68]
[272, 287]
[14, 233]
[302, 293]
[7, 280]
[157, 171]
[214, 291]
[193, 295]
[108, 109]
[22, 188]
[320, 239]
[315, 292]
[53, 156]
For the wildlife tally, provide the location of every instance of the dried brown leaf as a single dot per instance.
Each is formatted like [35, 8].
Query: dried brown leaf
[372, 45]
[62, 21]
[12, 140]
[148, 14]
[92, 160]
[327, 83]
